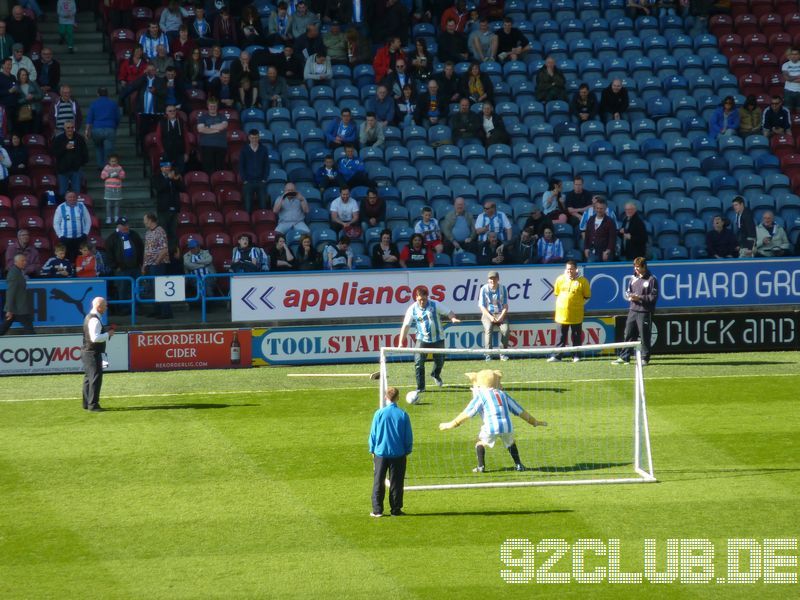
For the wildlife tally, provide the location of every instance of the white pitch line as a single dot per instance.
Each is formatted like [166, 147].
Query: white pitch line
[329, 374]
[372, 387]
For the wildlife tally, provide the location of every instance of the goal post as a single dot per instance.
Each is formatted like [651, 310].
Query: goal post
[596, 412]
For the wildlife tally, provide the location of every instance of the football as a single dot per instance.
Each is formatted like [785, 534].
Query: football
[412, 397]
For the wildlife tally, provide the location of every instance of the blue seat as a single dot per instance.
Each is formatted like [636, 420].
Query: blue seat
[765, 164]
[596, 27]
[397, 155]
[671, 187]
[722, 183]
[447, 155]
[566, 133]
[422, 155]
[745, 164]
[750, 183]
[580, 48]
[714, 166]
[674, 252]
[414, 135]
[703, 147]
[669, 127]
[363, 75]
[482, 171]
[473, 154]
[688, 166]
[777, 183]
[556, 111]
[653, 148]
[643, 129]
[489, 190]
[663, 167]
[708, 207]
[705, 43]
[464, 259]
[756, 145]
[658, 107]
[698, 186]
[645, 188]
[601, 147]
[431, 172]
[655, 46]
[715, 64]
[680, 44]
[630, 47]
[647, 27]
[691, 65]
[403, 172]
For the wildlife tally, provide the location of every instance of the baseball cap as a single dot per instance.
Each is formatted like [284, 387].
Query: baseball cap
[122, 221]
[165, 163]
[494, 275]
[17, 46]
[192, 244]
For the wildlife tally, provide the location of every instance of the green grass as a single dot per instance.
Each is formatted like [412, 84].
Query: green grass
[253, 484]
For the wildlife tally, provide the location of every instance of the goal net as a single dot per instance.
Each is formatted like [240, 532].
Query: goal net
[596, 414]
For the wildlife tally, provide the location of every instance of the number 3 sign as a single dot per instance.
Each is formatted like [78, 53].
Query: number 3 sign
[170, 289]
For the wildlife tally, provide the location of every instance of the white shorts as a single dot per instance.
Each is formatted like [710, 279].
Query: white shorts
[488, 439]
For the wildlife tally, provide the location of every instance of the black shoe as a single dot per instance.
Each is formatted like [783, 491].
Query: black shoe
[398, 513]
[96, 409]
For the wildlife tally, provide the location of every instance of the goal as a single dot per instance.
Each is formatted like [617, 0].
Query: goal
[596, 413]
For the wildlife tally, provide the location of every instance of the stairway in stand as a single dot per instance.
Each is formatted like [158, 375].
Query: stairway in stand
[84, 71]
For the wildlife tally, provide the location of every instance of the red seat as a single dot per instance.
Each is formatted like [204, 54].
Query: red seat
[214, 240]
[222, 178]
[196, 98]
[774, 84]
[6, 207]
[731, 44]
[779, 43]
[34, 142]
[739, 7]
[185, 202]
[785, 7]
[237, 221]
[720, 25]
[87, 200]
[7, 238]
[187, 223]
[230, 199]
[204, 201]
[196, 181]
[782, 144]
[34, 223]
[755, 44]
[9, 223]
[760, 7]
[211, 221]
[770, 24]
[751, 84]
[236, 140]
[221, 259]
[745, 24]
[96, 239]
[19, 184]
[790, 163]
[26, 201]
[40, 242]
[142, 17]
[767, 64]
[267, 239]
[741, 64]
[44, 182]
[264, 216]
[791, 23]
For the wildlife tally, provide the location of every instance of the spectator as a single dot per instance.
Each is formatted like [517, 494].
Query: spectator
[72, 223]
[18, 306]
[720, 241]
[577, 201]
[458, 228]
[776, 119]
[406, 106]
[511, 42]
[724, 121]
[550, 82]
[182, 47]
[522, 250]
[352, 169]
[162, 61]
[18, 155]
[172, 137]
[416, 255]
[280, 24]
[151, 39]
[281, 256]
[291, 207]
[301, 19]
[549, 249]
[250, 30]
[65, 109]
[171, 20]
[20, 61]
[175, 90]
[382, 105]
[492, 220]
[584, 105]
[225, 31]
[339, 257]
[151, 96]
[483, 42]
[223, 89]
[307, 257]
[318, 69]
[493, 129]
[491, 251]
[22, 245]
[373, 209]
[67, 10]
[112, 175]
[391, 20]
[247, 258]
[341, 130]
[452, 44]
[345, 215]
[328, 175]
[448, 83]
[213, 64]
[22, 28]
[590, 212]
[125, 252]
[5, 165]
[156, 260]
[57, 266]
[29, 114]
[198, 261]
[421, 61]
[429, 228]
[371, 132]
[200, 29]
[750, 116]
[8, 93]
[272, 89]
[254, 171]
[457, 12]
[310, 43]
[553, 202]
[465, 125]
[791, 78]
[431, 107]
[48, 71]
[492, 9]
[633, 233]
[771, 238]
[744, 227]
[600, 237]
[168, 186]
[359, 50]
[102, 121]
[6, 42]
[86, 263]
[476, 86]
[398, 79]
[242, 68]
[387, 57]
[194, 71]
[71, 154]
[133, 68]
[385, 254]
[212, 130]
[336, 44]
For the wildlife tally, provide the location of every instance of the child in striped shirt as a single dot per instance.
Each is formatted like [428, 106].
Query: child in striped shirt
[112, 174]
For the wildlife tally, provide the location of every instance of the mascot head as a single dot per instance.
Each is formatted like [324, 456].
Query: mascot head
[485, 379]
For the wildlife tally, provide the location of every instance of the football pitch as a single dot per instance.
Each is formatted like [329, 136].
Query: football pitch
[256, 484]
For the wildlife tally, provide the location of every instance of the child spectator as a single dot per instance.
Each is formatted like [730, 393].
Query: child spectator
[58, 265]
[339, 257]
[112, 174]
[66, 22]
[86, 264]
[429, 228]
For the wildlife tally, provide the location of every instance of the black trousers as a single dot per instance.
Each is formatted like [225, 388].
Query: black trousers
[73, 246]
[576, 335]
[396, 468]
[92, 378]
[213, 158]
[419, 362]
[25, 320]
[638, 325]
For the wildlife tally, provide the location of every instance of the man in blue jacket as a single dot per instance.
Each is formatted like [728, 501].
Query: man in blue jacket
[254, 170]
[390, 442]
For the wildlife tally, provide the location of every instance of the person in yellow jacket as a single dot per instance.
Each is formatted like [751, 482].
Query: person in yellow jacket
[572, 291]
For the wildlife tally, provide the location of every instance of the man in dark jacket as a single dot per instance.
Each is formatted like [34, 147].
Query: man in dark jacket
[642, 293]
[432, 107]
[18, 306]
[71, 153]
[633, 233]
[452, 44]
[48, 71]
[172, 136]
[601, 236]
[465, 125]
[254, 170]
[168, 185]
[744, 227]
[124, 250]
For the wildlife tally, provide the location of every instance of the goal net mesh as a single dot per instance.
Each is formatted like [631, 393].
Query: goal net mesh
[597, 422]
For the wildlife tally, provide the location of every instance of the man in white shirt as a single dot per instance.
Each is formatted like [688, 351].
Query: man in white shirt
[791, 78]
[93, 354]
[344, 211]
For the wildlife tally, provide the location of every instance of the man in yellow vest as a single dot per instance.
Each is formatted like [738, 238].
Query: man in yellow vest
[572, 291]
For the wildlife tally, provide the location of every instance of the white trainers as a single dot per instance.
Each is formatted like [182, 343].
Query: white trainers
[553, 359]
[619, 361]
[487, 357]
[478, 470]
[576, 359]
[437, 381]
[376, 515]
[503, 357]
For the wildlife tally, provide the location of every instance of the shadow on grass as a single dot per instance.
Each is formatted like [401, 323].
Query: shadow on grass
[489, 513]
[575, 467]
[697, 474]
[192, 406]
[680, 362]
[514, 388]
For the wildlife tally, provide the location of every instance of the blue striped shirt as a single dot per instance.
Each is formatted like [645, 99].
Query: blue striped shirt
[427, 321]
[493, 300]
[149, 45]
[72, 221]
[496, 407]
[430, 231]
[497, 223]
